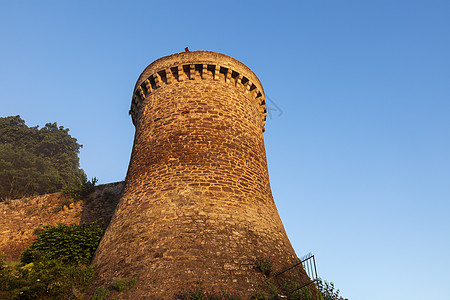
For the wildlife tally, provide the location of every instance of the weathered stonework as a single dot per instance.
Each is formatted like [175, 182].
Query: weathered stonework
[21, 217]
[197, 203]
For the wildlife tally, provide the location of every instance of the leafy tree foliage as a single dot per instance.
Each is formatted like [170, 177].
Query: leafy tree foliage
[68, 244]
[36, 161]
[80, 187]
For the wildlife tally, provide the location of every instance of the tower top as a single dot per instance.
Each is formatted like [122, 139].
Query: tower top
[193, 65]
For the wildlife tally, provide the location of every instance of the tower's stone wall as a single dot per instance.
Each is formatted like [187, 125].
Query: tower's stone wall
[197, 203]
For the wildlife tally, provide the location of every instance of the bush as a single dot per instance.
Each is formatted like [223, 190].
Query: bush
[55, 265]
[264, 264]
[197, 291]
[4, 274]
[261, 295]
[290, 286]
[46, 280]
[2, 261]
[101, 293]
[122, 284]
[68, 244]
[327, 291]
[80, 187]
[55, 280]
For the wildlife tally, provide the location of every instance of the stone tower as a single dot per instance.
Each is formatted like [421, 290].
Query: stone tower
[197, 203]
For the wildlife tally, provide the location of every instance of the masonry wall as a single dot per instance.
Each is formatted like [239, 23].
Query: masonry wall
[21, 217]
[197, 203]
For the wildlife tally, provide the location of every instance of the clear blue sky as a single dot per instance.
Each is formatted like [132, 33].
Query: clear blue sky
[358, 142]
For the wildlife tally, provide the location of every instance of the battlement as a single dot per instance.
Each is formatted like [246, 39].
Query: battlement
[197, 65]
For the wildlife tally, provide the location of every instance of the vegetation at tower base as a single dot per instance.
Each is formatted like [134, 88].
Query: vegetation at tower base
[55, 266]
[274, 289]
[46, 278]
[69, 244]
[35, 161]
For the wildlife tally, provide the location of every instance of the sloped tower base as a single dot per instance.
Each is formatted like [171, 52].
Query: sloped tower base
[197, 204]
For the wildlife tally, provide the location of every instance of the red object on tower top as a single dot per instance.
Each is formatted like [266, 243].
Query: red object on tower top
[186, 49]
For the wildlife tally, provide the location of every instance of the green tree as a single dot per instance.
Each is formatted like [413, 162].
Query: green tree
[36, 161]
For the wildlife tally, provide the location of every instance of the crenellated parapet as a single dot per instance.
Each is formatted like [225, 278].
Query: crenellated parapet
[234, 73]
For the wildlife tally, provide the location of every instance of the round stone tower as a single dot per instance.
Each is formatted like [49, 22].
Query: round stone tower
[197, 203]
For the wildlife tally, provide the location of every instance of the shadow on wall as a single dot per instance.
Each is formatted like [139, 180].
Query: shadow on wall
[100, 205]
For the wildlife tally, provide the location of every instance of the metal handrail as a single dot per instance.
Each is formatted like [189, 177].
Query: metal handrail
[308, 263]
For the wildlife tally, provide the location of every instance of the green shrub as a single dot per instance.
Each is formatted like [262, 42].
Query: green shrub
[101, 293]
[46, 280]
[132, 282]
[122, 284]
[69, 244]
[55, 265]
[260, 295]
[264, 264]
[2, 261]
[197, 291]
[290, 289]
[4, 274]
[80, 187]
[328, 291]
